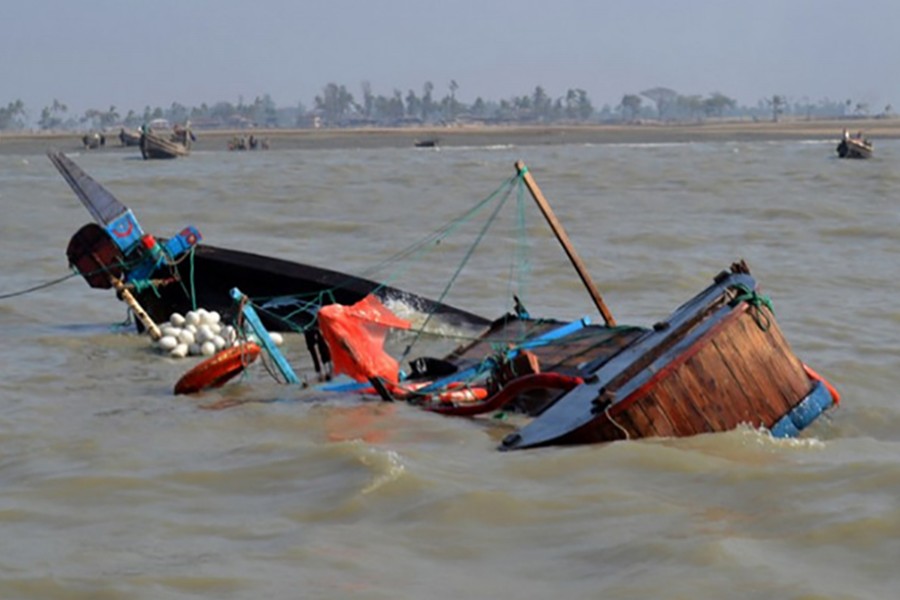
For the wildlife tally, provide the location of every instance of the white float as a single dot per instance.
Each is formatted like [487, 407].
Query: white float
[200, 333]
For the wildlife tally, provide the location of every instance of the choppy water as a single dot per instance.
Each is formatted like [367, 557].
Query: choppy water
[111, 487]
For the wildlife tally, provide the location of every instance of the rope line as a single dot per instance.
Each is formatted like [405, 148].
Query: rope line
[40, 286]
[465, 260]
[756, 301]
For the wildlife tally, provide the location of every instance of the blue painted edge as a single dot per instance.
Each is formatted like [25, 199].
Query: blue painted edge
[344, 386]
[807, 410]
[125, 231]
[264, 338]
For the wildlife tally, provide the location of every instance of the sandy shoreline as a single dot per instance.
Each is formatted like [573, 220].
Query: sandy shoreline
[874, 129]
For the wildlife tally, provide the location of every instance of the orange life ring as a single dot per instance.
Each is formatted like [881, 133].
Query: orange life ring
[816, 377]
[511, 390]
[457, 391]
[467, 394]
[216, 370]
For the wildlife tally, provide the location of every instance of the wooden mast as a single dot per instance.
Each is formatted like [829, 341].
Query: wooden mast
[560, 233]
[136, 308]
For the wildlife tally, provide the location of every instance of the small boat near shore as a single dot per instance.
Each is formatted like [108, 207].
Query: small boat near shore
[178, 143]
[854, 146]
[93, 140]
[154, 146]
[129, 138]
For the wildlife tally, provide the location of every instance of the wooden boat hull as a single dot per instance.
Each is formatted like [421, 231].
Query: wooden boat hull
[201, 276]
[154, 146]
[287, 293]
[717, 363]
[129, 138]
[854, 148]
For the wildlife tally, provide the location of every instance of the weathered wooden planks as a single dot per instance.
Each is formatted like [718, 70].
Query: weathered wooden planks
[741, 371]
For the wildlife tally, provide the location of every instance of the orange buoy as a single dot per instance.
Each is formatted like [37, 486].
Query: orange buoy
[460, 394]
[548, 380]
[216, 370]
[816, 377]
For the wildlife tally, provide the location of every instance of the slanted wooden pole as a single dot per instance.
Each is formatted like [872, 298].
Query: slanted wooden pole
[136, 308]
[560, 233]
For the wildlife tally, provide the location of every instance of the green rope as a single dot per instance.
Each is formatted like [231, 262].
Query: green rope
[756, 302]
[434, 238]
[461, 266]
[141, 285]
[311, 302]
[520, 265]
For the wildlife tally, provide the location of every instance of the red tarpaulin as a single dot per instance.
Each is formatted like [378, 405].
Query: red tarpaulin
[355, 335]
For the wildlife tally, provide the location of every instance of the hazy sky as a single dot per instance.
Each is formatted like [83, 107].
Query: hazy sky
[131, 54]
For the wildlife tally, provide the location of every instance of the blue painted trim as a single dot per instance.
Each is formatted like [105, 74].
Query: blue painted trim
[171, 249]
[344, 386]
[264, 338]
[183, 241]
[125, 231]
[807, 410]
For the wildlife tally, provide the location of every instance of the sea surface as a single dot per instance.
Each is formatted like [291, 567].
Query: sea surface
[111, 487]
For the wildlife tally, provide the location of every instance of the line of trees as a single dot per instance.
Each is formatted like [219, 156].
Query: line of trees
[336, 106]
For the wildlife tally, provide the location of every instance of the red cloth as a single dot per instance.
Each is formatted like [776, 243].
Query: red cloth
[355, 336]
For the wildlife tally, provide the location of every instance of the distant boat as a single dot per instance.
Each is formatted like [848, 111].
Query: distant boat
[157, 146]
[854, 147]
[429, 143]
[129, 138]
[92, 141]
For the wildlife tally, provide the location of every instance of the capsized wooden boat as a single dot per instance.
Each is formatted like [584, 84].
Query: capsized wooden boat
[719, 361]
[854, 147]
[177, 274]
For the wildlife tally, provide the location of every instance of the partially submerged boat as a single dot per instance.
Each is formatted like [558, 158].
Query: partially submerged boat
[179, 273]
[854, 146]
[718, 361]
